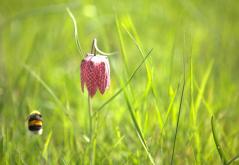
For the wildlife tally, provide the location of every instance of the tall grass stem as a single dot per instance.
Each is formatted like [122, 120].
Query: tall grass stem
[91, 156]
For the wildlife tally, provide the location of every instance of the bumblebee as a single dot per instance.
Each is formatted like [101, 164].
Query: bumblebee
[35, 122]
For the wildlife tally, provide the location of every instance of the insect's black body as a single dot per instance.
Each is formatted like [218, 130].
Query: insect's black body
[35, 122]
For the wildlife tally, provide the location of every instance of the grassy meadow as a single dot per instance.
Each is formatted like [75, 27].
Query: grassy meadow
[175, 65]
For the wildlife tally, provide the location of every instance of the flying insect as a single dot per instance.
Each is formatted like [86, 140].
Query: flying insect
[35, 122]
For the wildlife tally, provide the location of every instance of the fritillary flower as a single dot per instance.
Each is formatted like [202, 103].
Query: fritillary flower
[95, 73]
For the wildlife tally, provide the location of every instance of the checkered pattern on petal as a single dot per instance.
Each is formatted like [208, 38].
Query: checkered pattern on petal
[95, 73]
[102, 77]
[91, 78]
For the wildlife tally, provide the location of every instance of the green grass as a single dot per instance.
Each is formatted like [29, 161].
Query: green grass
[148, 115]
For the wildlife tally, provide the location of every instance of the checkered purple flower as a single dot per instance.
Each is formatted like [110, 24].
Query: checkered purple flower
[95, 73]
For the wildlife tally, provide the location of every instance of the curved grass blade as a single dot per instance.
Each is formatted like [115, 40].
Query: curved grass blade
[49, 90]
[203, 86]
[170, 107]
[46, 10]
[128, 27]
[44, 153]
[100, 51]
[179, 111]
[179, 114]
[125, 85]
[233, 159]
[219, 148]
[122, 44]
[75, 31]
[138, 130]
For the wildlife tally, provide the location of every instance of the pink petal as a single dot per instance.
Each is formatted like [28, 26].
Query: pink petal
[91, 78]
[107, 73]
[95, 73]
[102, 78]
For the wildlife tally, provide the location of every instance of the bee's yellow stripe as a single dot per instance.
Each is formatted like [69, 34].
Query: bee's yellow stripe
[35, 122]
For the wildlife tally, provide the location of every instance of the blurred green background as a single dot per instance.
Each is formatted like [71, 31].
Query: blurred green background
[40, 69]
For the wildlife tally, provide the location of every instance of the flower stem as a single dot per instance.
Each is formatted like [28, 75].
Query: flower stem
[93, 47]
[91, 154]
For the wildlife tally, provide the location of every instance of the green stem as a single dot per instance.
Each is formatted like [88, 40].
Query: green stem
[91, 155]
[90, 115]
[93, 47]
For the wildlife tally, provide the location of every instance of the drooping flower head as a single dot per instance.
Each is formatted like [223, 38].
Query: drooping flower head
[95, 73]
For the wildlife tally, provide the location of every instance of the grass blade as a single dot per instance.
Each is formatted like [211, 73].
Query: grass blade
[219, 148]
[44, 153]
[204, 101]
[138, 130]
[100, 51]
[122, 47]
[124, 86]
[233, 159]
[179, 111]
[75, 31]
[170, 107]
[49, 90]
[202, 87]
[179, 114]
[132, 33]
[46, 10]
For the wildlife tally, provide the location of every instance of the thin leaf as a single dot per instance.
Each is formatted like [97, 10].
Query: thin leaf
[44, 153]
[203, 86]
[49, 90]
[170, 107]
[179, 114]
[219, 148]
[122, 45]
[138, 130]
[124, 86]
[179, 111]
[100, 51]
[204, 101]
[129, 26]
[46, 10]
[75, 31]
[233, 159]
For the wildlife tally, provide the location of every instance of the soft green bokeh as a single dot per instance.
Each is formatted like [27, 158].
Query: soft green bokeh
[37, 38]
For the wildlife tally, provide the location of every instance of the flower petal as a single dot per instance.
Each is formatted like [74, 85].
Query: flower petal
[102, 77]
[95, 73]
[107, 73]
[91, 78]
